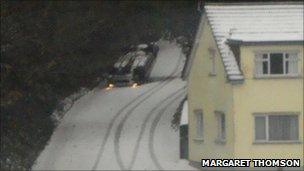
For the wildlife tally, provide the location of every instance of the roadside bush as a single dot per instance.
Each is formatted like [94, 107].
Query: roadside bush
[177, 115]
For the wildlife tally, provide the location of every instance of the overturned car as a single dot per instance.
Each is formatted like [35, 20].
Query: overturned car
[134, 67]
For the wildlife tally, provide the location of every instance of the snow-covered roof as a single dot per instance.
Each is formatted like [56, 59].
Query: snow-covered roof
[140, 59]
[253, 23]
[271, 37]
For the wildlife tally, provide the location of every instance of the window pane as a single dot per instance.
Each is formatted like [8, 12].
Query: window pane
[265, 56]
[293, 67]
[293, 63]
[223, 127]
[212, 57]
[283, 127]
[276, 63]
[294, 130]
[260, 59]
[258, 67]
[199, 123]
[286, 67]
[260, 128]
[265, 67]
[213, 65]
[286, 55]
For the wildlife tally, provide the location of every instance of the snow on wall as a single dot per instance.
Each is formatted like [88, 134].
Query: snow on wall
[253, 23]
[184, 116]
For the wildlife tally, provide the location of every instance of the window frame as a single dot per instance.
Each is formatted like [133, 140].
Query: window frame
[269, 75]
[266, 115]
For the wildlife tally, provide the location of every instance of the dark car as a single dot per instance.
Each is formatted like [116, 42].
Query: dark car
[134, 67]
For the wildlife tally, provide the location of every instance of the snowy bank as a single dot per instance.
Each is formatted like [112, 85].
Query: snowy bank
[66, 104]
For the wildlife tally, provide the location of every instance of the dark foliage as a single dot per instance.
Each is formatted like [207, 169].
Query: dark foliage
[49, 49]
[175, 123]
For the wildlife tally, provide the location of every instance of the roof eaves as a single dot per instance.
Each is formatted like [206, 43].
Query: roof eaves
[217, 46]
[281, 42]
[234, 42]
[232, 81]
[235, 82]
[254, 3]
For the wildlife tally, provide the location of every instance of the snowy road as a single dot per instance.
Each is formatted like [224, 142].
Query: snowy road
[123, 128]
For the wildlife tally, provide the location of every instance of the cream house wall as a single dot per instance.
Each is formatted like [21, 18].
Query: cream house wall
[209, 93]
[266, 95]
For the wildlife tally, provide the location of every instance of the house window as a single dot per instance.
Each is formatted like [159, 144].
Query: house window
[276, 128]
[275, 64]
[221, 126]
[199, 123]
[212, 57]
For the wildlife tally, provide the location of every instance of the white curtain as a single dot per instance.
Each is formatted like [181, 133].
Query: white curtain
[283, 127]
[293, 63]
[260, 128]
[259, 64]
[294, 130]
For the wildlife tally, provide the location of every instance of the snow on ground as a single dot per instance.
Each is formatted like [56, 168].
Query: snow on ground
[67, 103]
[169, 57]
[122, 128]
[75, 142]
[169, 159]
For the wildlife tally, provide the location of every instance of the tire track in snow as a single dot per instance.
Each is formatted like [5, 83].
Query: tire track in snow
[114, 119]
[101, 150]
[152, 132]
[144, 124]
[121, 124]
